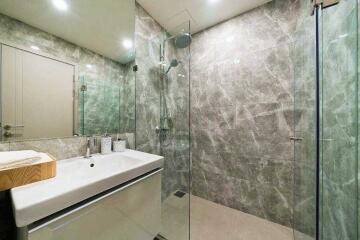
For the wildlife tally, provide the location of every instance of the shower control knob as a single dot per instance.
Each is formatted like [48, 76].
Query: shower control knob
[157, 129]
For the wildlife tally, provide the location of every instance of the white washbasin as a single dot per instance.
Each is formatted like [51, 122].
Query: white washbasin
[77, 181]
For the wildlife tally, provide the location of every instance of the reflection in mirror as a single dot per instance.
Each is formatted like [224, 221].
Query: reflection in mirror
[66, 68]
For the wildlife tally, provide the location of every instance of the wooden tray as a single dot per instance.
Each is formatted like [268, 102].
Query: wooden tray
[27, 173]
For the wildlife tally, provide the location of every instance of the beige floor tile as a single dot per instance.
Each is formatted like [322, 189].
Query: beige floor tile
[211, 221]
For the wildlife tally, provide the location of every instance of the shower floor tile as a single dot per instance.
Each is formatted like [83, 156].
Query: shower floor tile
[211, 221]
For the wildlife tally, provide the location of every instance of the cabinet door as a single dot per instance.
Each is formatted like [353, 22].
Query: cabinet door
[133, 213]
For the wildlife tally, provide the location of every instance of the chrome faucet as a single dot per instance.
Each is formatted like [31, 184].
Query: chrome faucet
[89, 141]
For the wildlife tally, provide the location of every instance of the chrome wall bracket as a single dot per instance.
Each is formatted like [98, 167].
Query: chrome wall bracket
[322, 3]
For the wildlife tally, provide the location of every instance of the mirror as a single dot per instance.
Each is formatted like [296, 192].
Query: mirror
[66, 68]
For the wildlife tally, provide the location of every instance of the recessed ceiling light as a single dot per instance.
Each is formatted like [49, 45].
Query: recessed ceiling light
[127, 44]
[230, 39]
[89, 66]
[213, 1]
[35, 47]
[60, 4]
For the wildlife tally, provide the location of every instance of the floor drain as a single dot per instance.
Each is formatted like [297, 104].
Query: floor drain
[179, 194]
[159, 237]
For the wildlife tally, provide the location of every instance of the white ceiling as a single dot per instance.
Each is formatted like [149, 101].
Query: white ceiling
[201, 13]
[99, 25]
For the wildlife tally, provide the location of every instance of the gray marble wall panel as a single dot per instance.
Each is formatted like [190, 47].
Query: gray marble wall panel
[59, 148]
[63, 148]
[242, 76]
[148, 37]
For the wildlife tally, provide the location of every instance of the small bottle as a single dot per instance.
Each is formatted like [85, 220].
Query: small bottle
[119, 145]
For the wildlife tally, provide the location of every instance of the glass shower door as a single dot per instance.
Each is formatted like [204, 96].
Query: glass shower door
[304, 141]
[163, 116]
[174, 132]
[339, 121]
[326, 122]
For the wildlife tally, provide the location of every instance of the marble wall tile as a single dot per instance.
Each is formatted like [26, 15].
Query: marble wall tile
[59, 148]
[148, 37]
[64, 148]
[260, 199]
[127, 100]
[242, 80]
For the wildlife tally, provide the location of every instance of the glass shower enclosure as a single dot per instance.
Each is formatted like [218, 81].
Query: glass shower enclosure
[162, 119]
[326, 127]
[174, 131]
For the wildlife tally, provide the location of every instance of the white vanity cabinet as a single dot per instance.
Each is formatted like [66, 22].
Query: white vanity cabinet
[110, 197]
[130, 212]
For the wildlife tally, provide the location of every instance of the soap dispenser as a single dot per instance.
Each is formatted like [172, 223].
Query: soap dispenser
[106, 144]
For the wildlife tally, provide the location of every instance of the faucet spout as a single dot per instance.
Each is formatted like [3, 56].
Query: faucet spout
[88, 146]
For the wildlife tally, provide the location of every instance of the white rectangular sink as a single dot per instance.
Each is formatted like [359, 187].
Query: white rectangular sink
[76, 181]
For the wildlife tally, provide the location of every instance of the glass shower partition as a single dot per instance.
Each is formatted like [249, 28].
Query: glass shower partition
[326, 122]
[163, 116]
[174, 131]
[304, 197]
[339, 121]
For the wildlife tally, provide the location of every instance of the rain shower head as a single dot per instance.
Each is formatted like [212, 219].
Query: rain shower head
[183, 40]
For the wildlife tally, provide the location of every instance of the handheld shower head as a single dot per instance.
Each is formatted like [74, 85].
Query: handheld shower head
[173, 63]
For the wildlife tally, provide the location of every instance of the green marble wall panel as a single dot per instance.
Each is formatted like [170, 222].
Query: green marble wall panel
[127, 100]
[100, 107]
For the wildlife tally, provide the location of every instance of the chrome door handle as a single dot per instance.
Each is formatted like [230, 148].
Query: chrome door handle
[9, 127]
[295, 139]
[8, 134]
[326, 140]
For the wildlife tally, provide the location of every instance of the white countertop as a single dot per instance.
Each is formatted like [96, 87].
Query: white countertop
[77, 181]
